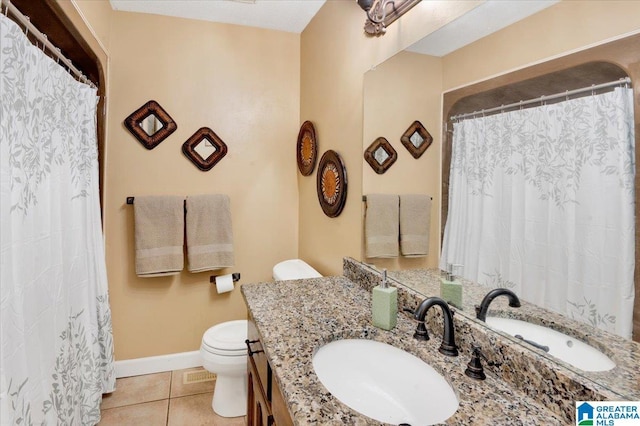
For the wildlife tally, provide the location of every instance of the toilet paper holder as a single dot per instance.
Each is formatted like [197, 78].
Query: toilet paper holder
[235, 276]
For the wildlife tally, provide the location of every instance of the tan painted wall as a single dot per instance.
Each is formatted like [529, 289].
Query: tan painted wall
[335, 55]
[557, 30]
[241, 82]
[392, 101]
[98, 15]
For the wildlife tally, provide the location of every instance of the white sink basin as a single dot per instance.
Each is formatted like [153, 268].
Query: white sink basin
[566, 348]
[384, 382]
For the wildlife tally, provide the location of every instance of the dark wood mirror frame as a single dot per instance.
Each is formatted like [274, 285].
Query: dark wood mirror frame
[370, 155]
[189, 149]
[416, 152]
[307, 148]
[603, 63]
[133, 121]
[331, 183]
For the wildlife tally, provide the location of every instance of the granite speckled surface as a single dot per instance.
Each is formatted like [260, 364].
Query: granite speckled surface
[623, 381]
[295, 318]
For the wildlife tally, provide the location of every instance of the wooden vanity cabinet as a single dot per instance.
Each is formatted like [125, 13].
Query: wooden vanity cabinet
[265, 404]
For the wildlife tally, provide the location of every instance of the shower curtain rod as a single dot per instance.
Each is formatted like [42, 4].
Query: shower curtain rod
[40, 36]
[543, 98]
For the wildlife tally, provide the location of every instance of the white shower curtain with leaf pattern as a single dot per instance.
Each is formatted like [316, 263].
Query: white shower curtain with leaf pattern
[541, 200]
[56, 347]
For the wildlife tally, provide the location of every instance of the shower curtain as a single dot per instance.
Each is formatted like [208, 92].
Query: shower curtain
[56, 348]
[541, 201]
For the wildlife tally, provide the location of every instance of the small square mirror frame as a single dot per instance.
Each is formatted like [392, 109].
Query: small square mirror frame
[133, 123]
[370, 155]
[427, 139]
[204, 134]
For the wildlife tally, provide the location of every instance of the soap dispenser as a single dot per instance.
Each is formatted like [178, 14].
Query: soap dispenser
[450, 288]
[384, 304]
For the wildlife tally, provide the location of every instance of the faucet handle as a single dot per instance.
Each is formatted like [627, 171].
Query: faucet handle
[474, 367]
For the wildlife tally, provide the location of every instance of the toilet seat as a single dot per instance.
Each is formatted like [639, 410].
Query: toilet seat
[226, 339]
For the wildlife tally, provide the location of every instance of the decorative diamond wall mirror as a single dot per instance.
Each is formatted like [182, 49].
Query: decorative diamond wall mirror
[416, 139]
[204, 149]
[150, 124]
[380, 155]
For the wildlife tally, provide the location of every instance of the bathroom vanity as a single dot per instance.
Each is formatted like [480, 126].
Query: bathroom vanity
[265, 405]
[291, 320]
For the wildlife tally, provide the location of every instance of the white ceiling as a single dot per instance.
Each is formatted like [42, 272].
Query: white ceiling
[284, 15]
[294, 15]
[489, 17]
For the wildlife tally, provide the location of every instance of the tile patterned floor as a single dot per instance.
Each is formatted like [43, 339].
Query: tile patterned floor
[162, 399]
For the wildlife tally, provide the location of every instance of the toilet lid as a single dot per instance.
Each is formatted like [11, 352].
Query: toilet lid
[228, 336]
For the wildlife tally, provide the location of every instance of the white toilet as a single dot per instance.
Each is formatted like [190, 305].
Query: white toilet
[224, 351]
[294, 269]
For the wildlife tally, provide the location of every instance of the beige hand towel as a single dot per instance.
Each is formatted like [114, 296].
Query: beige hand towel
[415, 221]
[381, 225]
[159, 232]
[209, 233]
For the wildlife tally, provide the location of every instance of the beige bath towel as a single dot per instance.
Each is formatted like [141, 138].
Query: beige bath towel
[381, 225]
[209, 233]
[159, 231]
[415, 221]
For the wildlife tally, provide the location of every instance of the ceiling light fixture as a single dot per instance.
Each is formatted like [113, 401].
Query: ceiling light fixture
[381, 13]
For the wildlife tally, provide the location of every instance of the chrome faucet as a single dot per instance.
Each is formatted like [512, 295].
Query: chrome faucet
[481, 311]
[448, 346]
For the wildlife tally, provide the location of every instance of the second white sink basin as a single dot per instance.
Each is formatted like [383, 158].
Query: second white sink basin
[384, 382]
[566, 348]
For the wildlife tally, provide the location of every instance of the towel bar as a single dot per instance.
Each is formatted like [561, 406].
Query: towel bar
[235, 276]
[364, 198]
[130, 201]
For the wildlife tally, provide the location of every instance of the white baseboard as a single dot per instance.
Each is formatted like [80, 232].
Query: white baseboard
[157, 364]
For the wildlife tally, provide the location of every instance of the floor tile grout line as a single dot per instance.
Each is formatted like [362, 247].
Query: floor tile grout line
[134, 404]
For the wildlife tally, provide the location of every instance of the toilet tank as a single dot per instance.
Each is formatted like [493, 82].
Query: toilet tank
[294, 269]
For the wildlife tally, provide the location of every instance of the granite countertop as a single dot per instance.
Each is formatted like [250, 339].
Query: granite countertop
[295, 318]
[623, 380]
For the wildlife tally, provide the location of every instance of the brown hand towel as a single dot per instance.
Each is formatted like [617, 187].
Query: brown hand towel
[415, 221]
[209, 233]
[159, 232]
[381, 225]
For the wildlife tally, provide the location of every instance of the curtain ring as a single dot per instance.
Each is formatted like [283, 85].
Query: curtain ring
[6, 8]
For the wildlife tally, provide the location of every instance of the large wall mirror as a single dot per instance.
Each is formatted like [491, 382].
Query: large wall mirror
[393, 99]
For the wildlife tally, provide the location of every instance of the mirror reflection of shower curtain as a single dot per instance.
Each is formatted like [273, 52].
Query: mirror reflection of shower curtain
[56, 346]
[541, 200]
